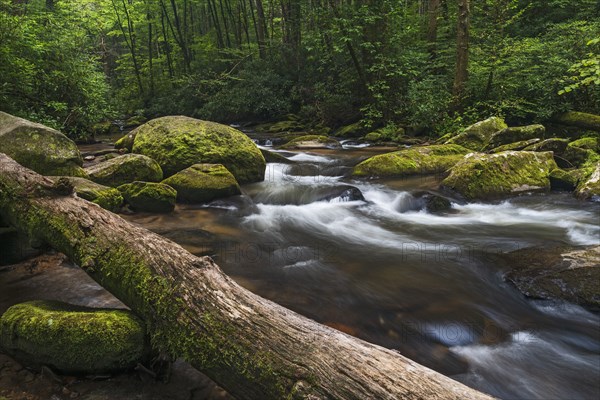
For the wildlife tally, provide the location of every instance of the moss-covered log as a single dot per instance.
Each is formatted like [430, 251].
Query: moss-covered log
[251, 346]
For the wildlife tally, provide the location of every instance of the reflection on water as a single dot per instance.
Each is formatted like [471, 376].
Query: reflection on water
[381, 268]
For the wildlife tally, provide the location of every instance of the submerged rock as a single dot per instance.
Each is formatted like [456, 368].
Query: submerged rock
[179, 142]
[516, 134]
[414, 161]
[73, 339]
[477, 136]
[38, 147]
[106, 197]
[570, 274]
[125, 169]
[312, 142]
[202, 183]
[491, 176]
[343, 193]
[149, 196]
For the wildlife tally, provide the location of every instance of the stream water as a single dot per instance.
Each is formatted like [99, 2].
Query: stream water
[385, 270]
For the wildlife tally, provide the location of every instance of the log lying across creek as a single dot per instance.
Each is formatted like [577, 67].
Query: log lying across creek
[253, 347]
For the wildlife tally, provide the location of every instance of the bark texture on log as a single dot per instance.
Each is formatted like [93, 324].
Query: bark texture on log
[252, 347]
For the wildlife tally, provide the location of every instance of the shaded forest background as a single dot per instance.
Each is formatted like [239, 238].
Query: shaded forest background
[433, 65]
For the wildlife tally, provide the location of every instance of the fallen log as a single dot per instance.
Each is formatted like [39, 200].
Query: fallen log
[254, 348]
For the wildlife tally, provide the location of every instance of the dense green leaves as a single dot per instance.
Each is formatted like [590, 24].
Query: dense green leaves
[330, 61]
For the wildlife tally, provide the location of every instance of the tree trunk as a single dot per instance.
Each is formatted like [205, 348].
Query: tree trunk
[433, 11]
[462, 49]
[252, 347]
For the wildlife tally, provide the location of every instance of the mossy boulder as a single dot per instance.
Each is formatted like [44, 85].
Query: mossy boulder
[577, 157]
[354, 130]
[202, 183]
[125, 169]
[579, 120]
[72, 339]
[556, 145]
[515, 146]
[312, 142]
[564, 273]
[149, 196]
[38, 147]
[106, 197]
[126, 142]
[516, 134]
[414, 161]
[589, 186]
[477, 136]
[562, 180]
[179, 142]
[588, 143]
[492, 176]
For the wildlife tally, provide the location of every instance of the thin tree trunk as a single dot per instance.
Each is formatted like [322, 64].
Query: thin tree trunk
[252, 347]
[462, 50]
[129, 37]
[433, 11]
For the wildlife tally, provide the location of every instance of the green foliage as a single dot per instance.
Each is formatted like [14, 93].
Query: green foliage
[49, 71]
[586, 72]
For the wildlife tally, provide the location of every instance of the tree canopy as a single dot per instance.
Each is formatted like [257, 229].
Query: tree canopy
[429, 64]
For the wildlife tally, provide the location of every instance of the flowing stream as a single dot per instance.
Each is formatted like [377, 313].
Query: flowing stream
[383, 269]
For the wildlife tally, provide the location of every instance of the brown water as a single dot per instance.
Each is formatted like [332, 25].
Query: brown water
[386, 271]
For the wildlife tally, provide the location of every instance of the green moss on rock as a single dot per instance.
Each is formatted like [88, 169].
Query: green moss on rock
[492, 176]
[477, 136]
[413, 161]
[563, 180]
[516, 134]
[125, 169]
[38, 147]
[515, 146]
[588, 143]
[577, 157]
[556, 145]
[202, 183]
[126, 142]
[72, 339]
[350, 131]
[579, 120]
[150, 197]
[106, 197]
[179, 142]
[311, 142]
[589, 185]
